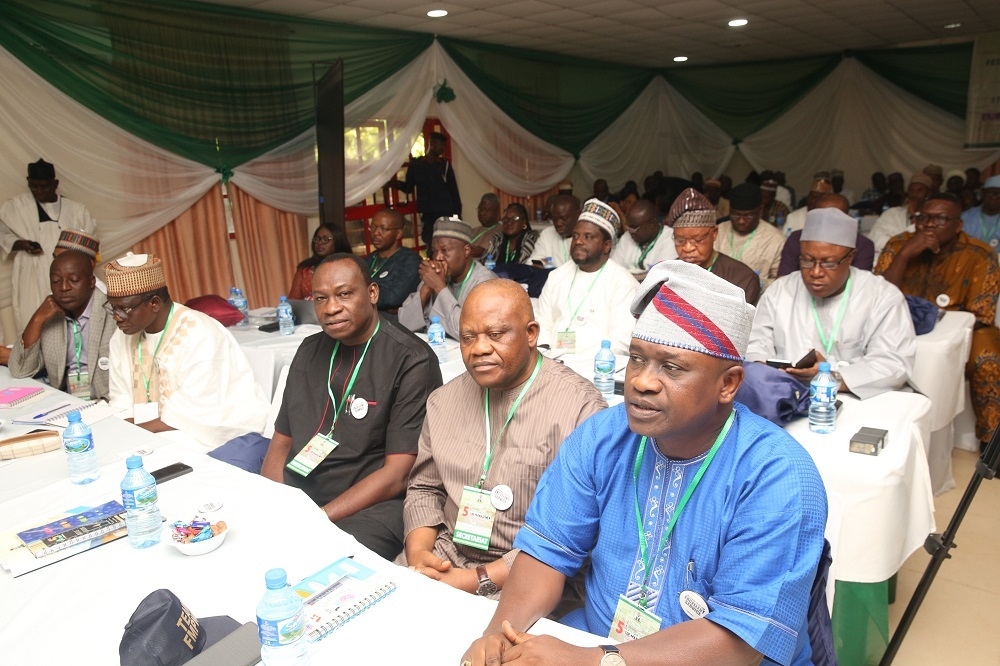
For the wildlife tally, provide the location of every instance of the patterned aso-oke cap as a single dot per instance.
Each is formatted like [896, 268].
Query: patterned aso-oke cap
[597, 212]
[691, 208]
[81, 241]
[683, 305]
[134, 274]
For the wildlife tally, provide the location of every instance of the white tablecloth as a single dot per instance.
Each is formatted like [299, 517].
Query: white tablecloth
[268, 353]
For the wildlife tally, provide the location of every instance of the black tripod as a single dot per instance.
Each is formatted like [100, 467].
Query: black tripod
[939, 545]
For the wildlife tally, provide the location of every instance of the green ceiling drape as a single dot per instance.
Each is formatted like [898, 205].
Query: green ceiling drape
[936, 74]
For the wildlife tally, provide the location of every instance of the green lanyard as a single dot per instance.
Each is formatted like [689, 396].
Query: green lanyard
[828, 343]
[464, 280]
[78, 347]
[138, 344]
[642, 257]
[715, 256]
[376, 267]
[569, 294]
[488, 459]
[337, 409]
[508, 255]
[643, 545]
[732, 242]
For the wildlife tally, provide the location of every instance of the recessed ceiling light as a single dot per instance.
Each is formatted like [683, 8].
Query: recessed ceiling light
[951, 26]
[738, 23]
[680, 58]
[437, 13]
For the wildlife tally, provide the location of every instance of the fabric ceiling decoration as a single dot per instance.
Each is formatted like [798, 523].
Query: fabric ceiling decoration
[936, 74]
[215, 84]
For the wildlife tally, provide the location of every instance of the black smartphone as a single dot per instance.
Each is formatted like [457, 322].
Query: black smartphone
[170, 472]
[269, 328]
[780, 365]
[807, 361]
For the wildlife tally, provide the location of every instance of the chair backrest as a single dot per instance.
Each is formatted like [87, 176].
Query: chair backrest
[272, 413]
[818, 618]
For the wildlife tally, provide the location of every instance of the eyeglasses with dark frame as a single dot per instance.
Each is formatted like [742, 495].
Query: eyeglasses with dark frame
[123, 313]
[939, 220]
[825, 265]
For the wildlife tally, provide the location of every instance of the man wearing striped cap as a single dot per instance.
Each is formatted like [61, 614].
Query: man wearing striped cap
[703, 523]
[174, 368]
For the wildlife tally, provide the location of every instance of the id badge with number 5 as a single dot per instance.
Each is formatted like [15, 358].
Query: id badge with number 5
[312, 454]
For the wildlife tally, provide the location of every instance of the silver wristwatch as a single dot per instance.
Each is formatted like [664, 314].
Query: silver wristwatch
[611, 656]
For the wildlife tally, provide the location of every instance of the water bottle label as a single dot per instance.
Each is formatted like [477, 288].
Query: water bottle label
[604, 367]
[823, 394]
[79, 444]
[276, 633]
[435, 337]
[140, 497]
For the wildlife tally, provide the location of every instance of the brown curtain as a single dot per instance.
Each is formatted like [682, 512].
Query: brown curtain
[270, 243]
[195, 250]
[531, 203]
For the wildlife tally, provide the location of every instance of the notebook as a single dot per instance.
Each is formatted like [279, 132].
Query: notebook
[90, 413]
[338, 593]
[73, 529]
[12, 396]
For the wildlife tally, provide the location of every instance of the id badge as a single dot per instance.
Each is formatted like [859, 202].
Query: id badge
[566, 340]
[312, 454]
[476, 515]
[632, 621]
[145, 411]
[78, 387]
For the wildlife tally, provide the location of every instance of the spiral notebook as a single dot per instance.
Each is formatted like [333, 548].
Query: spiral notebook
[12, 396]
[90, 413]
[338, 593]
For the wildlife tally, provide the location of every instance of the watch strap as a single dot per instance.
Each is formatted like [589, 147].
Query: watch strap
[482, 574]
[609, 649]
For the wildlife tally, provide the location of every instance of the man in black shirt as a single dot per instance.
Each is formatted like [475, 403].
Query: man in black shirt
[353, 408]
[391, 266]
[434, 179]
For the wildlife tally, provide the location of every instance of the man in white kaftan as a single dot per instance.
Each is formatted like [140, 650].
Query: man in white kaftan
[554, 241]
[588, 299]
[896, 220]
[856, 320]
[30, 224]
[174, 368]
[647, 240]
[747, 238]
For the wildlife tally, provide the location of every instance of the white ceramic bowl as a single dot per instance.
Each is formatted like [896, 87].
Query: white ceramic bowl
[200, 547]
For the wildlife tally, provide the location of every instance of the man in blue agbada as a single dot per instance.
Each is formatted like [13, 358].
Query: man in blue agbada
[703, 522]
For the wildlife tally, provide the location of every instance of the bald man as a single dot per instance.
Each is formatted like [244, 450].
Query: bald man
[647, 241]
[506, 375]
[392, 267]
[864, 253]
[69, 333]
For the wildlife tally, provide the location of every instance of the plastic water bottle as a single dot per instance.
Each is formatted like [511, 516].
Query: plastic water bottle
[142, 515]
[781, 221]
[549, 263]
[286, 318]
[490, 262]
[435, 338]
[240, 303]
[232, 297]
[822, 400]
[604, 369]
[78, 441]
[281, 623]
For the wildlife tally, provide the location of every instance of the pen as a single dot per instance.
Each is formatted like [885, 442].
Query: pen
[54, 409]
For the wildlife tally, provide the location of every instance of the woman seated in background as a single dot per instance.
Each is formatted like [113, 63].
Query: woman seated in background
[515, 244]
[327, 240]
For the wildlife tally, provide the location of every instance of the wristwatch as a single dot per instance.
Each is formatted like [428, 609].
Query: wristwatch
[611, 656]
[486, 586]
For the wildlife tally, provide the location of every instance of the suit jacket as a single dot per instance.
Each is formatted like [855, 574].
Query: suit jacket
[50, 350]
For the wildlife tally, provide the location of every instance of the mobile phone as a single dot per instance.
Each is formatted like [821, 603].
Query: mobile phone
[269, 328]
[170, 472]
[777, 363]
[807, 361]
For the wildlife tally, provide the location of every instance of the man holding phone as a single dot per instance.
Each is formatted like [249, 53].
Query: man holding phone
[830, 310]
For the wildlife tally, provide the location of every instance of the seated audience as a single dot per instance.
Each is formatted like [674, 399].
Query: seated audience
[797, 218]
[392, 267]
[488, 214]
[601, 191]
[936, 174]
[713, 192]
[879, 188]
[553, 242]
[785, 194]
[326, 240]
[68, 334]
[81, 241]
[346, 433]
[864, 254]
[693, 219]
[973, 182]
[896, 220]
[942, 263]
[983, 221]
[743, 551]
[855, 320]
[517, 240]
[586, 300]
[533, 404]
[837, 180]
[646, 243]
[446, 278]
[743, 237]
[772, 210]
[174, 368]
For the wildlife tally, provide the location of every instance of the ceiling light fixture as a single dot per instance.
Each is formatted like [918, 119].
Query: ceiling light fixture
[952, 26]
[738, 23]
[680, 58]
[437, 13]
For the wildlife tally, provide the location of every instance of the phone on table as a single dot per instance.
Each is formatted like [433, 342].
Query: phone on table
[807, 361]
[170, 472]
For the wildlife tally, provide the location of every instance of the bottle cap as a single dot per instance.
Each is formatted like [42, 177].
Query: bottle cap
[435, 319]
[605, 344]
[133, 462]
[73, 417]
[275, 579]
[824, 366]
[283, 299]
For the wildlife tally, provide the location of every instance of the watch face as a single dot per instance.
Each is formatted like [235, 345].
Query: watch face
[486, 588]
[612, 659]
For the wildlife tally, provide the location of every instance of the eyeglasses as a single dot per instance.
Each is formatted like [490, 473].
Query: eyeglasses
[384, 230]
[696, 241]
[123, 313]
[323, 239]
[805, 262]
[923, 219]
[748, 215]
[512, 220]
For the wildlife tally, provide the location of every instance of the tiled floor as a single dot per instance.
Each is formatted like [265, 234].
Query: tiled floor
[957, 623]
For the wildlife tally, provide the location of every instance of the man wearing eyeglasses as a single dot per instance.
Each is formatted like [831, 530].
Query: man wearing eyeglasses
[392, 267]
[745, 239]
[174, 368]
[942, 263]
[857, 321]
[647, 241]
